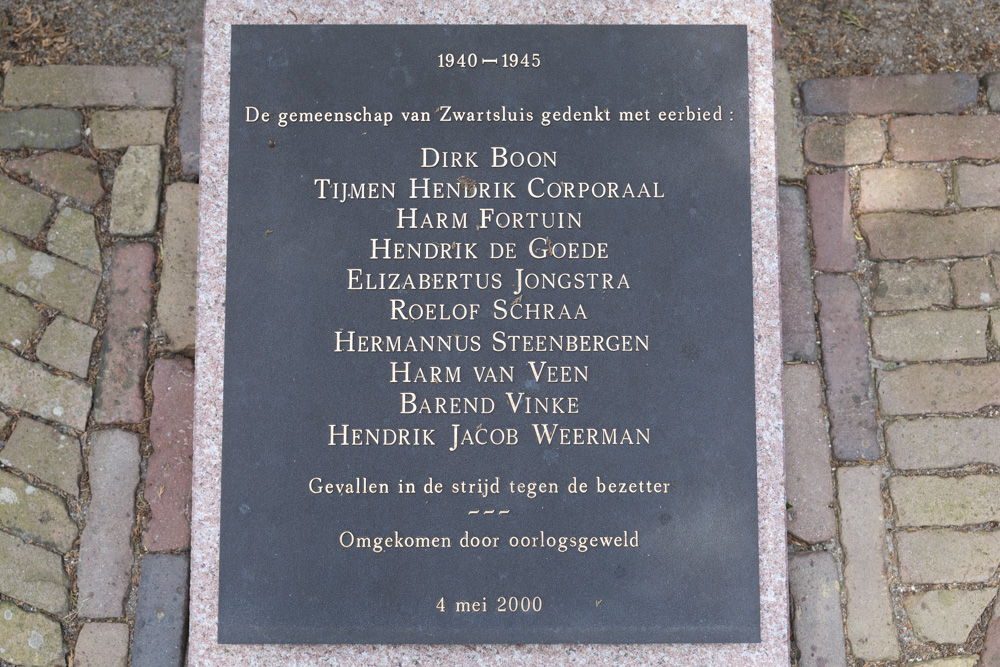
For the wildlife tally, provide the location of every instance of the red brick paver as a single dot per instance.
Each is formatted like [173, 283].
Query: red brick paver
[876, 95]
[119, 393]
[168, 476]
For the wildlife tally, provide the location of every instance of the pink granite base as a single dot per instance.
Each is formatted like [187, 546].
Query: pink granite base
[219, 17]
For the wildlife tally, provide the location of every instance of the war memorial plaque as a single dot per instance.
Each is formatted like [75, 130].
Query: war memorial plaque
[489, 337]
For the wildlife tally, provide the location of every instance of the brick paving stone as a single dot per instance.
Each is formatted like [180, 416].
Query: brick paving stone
[18, 320]
[973, 283]
[946, 616]
[121, 129]
[33, 575]
[46, 278]
[935, 388]
[870, 627]
[89, 86]
[995, 326]
[168, 473]
[105, 568]
[72, 236]
[991, 650]
[135, 196]
[161, 614]
[798, 319]
[40, 128]
[22, 210]
[992, 81]
[914, 286]
[66, 344]
[937, 138]
[35, 514]
[943, 442]
[902, 190]
[102, 645]
[816, 619]
[939, 556]
[25, 385]
[930, 335]
[830, 214]
[43, 451]
[189, 125]
[928, 500]
[809, 482]
[877, 95]
[789, 156]
[122, 366]
[953, 661]
[30, 639]
[861, 141]
[977, 186]
[846, 369]
[916, 236]
[67, 174]
[176, 300]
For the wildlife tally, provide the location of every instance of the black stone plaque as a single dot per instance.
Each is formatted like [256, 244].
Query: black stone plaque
[489, 380]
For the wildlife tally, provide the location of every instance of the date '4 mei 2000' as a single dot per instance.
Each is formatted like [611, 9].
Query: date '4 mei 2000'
[503, 604]
[507, 60]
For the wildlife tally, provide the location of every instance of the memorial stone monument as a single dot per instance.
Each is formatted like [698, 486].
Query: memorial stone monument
[497, 306]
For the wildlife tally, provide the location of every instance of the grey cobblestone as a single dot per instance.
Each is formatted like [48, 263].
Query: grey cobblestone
[902, 190]
[918, 236]
[47, 278]
[33, 575]
[105, 568]
[30, 639]
[44, 452]
[846, 369]
[790, 163]
[121, 129]
[947, 616]
[940, 556]
[938, 388]
[798, 316]
[175, 303]
[67, 344]
[89, 86]
[877, 95]
[161, 615]
[928, 500]
[858, 142]
[816, 620]
[809, 482]
[18, 320]
[22, 210]
[102, 645]
[72, 236]
[40, 128]
[25, 385]
[870, 627]
[930, 335]
[35, 514]
[912, 286]
[135, 197]
[943, 442]
[973, 283]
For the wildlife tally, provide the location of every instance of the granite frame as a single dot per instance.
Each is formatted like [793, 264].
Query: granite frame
[220, 15]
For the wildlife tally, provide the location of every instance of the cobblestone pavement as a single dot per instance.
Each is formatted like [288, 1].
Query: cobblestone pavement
[98, 227]
[890, 228]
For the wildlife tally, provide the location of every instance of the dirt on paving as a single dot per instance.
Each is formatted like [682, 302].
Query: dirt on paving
[827, 38]
[819, 38]
[95, 32]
